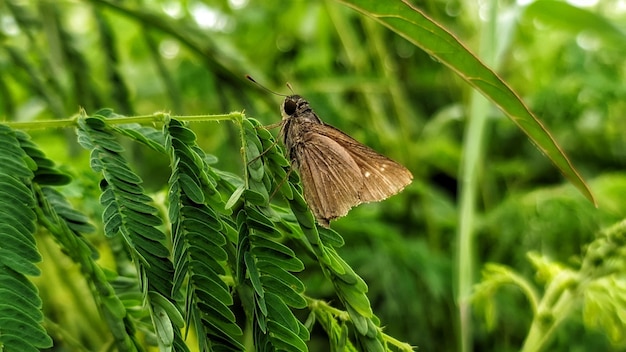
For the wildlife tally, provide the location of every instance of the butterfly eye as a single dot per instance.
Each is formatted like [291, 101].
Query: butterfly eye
[289, 106]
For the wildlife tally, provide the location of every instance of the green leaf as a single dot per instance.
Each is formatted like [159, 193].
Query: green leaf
[183, 133]
[154, 247]
[198, 242]
[226, 328]
[261, 244]
[128, 211]
[285, 339]
[412, 24]
[219, 308]
[52, 177]
[202, 219]
[235, 197]
[282, 290]
[205, 232]
[359, 321]
[20, 315]
[355, 298]
[257, 196]
[301, 211]
[260, 222]
[16, 189]
[147, 135]
[14, 295]
[330, 237]
[18, 252]
[191, 188]
[285, 262]
[280, 313]
[604, 304]
[164, 328]
[219, 289]
[280, 274]
[18, 218]
[17, 327]
[253, 272]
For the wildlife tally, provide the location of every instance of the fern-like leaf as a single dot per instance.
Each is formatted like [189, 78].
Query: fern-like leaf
[128, 213]
[20, 305]
[349, 287]
[199, 240]
[267, 262]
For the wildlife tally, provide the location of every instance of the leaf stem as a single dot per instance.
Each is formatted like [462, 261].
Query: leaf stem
[402, 346]
[318, 304]
[559, 301]
[141, 119]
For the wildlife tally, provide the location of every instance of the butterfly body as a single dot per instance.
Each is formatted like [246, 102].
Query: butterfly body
[337, 171]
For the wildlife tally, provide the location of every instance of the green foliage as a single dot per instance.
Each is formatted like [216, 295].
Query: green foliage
[210, 243]
[20, 311]
[199, 235]
[128, 213]
[596, 288]
[183, 240]
[416, 27]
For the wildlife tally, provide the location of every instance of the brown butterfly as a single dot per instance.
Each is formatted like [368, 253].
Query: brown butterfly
[337, 171]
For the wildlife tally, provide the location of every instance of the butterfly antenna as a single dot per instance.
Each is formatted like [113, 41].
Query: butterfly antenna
[264, 87]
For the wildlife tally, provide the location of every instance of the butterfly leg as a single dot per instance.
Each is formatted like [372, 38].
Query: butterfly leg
[272, 126]
[281, 183]
[262, 153]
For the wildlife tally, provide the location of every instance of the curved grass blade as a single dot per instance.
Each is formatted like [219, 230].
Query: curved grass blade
[410, 23]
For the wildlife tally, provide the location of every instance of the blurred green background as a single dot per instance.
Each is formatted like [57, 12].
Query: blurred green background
[190, 58]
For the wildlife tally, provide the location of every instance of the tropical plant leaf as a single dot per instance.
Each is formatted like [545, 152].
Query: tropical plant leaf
[128, 213]
[412, 24]
[267, 262]
[199, 240]
[20, 307]
[350, 288]
[66, 224]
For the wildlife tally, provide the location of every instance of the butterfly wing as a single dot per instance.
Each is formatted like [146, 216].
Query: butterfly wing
[382, 177]
[331, 177]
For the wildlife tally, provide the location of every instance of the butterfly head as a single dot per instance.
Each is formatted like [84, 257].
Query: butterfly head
[295, 106]
[292, 105]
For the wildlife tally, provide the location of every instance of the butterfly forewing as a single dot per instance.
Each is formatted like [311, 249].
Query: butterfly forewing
[332, 179]
[382, 177]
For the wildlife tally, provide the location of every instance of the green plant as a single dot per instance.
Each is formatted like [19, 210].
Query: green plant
[594, 287]
[368, 79]
[226, 240]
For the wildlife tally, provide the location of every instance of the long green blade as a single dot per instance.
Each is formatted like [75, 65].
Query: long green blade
[410, 23]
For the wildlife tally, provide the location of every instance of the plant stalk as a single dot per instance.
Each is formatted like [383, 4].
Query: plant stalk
[473, 153]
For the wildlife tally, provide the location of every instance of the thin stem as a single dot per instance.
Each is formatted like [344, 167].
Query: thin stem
[46, 124]
[558, 302]
[244, 156]
[473, 153]
[318, 304]
[402, 346]
[141, 119]
[527, 289]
